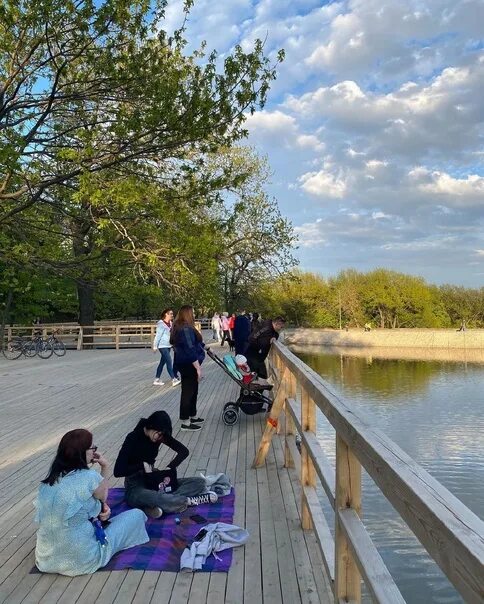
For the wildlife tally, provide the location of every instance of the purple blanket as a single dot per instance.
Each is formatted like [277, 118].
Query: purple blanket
[168, 540]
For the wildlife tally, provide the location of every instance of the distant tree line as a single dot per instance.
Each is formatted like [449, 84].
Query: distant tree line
[386, 298]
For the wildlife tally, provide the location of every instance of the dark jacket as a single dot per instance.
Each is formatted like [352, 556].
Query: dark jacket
[242, 328]
[138, 448]
[260, 340]
[187, 347]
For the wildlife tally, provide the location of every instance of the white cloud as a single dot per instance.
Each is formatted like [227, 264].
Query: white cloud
[387, 37]
[310, 141]
[323, 184]
[461, 191]
[277, 127]
[443, 116]
[310, 234]
[375, 123]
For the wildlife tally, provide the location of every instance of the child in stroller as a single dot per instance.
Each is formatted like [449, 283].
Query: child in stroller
[251, 399]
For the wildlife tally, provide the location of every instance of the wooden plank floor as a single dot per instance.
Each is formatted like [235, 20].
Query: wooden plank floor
[107, 391]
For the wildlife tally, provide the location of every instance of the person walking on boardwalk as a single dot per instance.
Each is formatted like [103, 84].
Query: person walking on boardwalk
[70, 501]
[157, 491]
[216, 327]
[189, 354]
[162, 343]
[225, 328]
[260, 343]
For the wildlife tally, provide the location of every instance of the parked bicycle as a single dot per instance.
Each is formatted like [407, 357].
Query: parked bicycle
[58, 346]
[14, 349]
[43, 348]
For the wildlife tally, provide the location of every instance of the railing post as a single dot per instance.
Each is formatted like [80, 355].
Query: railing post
[308, 473]
[79, 338]
[289, 428]
[348, 495]
[9, 334]
[118, 330]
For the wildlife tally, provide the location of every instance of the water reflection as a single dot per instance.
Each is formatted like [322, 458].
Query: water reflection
[433, 410]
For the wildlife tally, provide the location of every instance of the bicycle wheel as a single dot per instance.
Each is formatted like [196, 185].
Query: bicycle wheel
[30, 348]
[59, 348]
[12, 350]
[44, 349]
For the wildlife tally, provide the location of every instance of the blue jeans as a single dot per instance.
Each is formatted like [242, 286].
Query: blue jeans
[165, 360]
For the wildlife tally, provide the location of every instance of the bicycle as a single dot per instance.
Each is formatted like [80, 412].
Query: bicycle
[14, 349]
[58, 346]
[43, 348]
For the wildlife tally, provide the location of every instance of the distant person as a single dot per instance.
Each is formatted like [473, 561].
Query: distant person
[162, 343]
[154, 491]
[71, 495]
[241, 333]
[231, 325]
[367, 327]
[225, 328]
[189, 350]
[260, 343]
[216, 327]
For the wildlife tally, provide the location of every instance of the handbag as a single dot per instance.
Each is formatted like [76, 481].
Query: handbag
[164, 481]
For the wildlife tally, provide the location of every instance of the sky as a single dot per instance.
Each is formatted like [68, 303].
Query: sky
[373, 130]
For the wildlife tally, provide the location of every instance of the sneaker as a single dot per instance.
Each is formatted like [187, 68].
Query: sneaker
[158, 382]
[153, 512]
[190, 427]
[175, 382]
[209, 497]
[197, 420]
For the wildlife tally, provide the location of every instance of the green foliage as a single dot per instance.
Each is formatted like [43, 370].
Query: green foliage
[108, 134]
[387, 299]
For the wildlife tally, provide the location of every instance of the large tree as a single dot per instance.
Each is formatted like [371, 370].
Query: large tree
[96, 102]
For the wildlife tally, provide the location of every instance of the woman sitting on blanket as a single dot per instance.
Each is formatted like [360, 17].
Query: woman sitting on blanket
[70, 503]
[153, 490]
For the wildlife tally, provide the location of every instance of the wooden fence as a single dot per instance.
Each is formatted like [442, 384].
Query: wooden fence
[450, 532]
[101, 335]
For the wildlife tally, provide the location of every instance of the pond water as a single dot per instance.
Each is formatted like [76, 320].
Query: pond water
[434, 411]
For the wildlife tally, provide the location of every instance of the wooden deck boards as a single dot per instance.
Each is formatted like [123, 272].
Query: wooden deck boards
[106, 392]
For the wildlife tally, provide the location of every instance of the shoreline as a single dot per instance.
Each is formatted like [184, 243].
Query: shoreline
[417, 344]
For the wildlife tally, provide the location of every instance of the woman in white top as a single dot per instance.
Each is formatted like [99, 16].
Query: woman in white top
[216, 327]
[162, 343]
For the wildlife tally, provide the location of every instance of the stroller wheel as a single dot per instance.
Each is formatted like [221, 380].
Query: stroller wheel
[230, 414]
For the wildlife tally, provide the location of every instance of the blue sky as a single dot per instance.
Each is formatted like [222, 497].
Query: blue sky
[374, 128]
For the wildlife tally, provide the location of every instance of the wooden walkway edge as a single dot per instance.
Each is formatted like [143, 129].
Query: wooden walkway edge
[106, 392]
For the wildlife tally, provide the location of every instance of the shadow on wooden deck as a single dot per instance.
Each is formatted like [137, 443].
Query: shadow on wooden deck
[106, 392]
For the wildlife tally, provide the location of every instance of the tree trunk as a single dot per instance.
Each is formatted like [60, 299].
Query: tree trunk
[85, 296]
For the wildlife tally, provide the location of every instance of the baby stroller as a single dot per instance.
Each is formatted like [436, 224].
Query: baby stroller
[251, 398]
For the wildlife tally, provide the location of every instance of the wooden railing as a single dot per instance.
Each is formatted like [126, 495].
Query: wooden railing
[101, 335]
[450, 532]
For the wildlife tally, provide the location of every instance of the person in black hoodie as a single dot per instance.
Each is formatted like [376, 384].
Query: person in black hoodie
[152, 490]
[260, 341]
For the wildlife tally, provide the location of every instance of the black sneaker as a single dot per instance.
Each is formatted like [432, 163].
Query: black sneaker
[197, 420]
[190, 427]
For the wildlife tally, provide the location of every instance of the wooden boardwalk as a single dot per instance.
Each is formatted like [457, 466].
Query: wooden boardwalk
[106, 392]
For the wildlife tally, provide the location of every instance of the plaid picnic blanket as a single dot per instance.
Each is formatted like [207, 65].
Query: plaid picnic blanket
[168, 539]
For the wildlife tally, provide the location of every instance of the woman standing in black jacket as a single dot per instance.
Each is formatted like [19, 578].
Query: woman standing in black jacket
[189, 352]
[153, 491]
